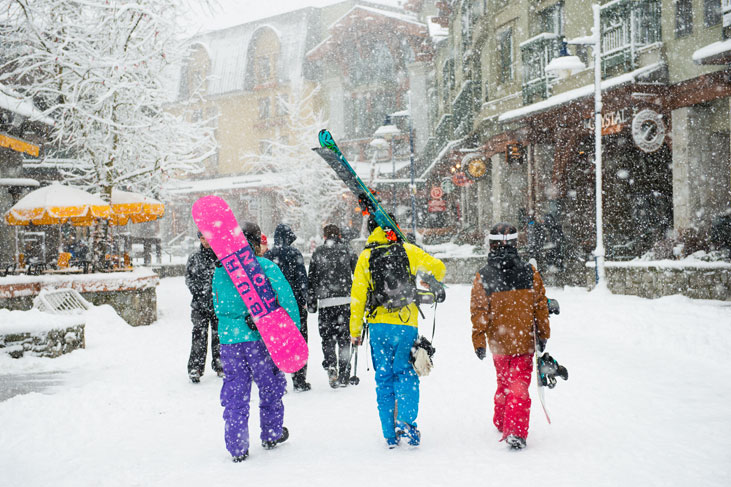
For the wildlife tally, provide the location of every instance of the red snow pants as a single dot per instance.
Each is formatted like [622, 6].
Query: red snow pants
[512, 400]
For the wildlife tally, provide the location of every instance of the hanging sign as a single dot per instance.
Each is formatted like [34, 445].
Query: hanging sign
[475, 167]
[514, 154]
[447, 185]
[459, 179]
[648, 130]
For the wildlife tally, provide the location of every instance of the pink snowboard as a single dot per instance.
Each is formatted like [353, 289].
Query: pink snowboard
[218, 225]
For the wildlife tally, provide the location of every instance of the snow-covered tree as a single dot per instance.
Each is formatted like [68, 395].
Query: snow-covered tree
[98, 68]
[311, 193]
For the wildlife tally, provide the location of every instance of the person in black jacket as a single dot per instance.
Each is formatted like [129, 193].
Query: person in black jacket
[329, 279]
[292, 264]
[198, 277]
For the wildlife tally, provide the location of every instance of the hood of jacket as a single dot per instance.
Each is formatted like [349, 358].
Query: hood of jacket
[283, 235]
[504, 257]
[378, 236]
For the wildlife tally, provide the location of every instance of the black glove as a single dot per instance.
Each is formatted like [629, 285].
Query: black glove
[542, 344]
[481, 353]
[312, 308]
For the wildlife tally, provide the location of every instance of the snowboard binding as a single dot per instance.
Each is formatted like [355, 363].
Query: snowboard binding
[548, 369]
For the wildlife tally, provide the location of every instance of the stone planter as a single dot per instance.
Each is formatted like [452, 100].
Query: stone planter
[132, 294]
[40, 334]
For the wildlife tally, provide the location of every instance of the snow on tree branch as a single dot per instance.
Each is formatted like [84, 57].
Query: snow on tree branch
[311, 192]
[99, 69]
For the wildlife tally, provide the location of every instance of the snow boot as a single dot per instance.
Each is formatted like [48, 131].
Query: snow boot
[409, 432]
[332, 377]
[241, 458]
[393, 442]
[195, 376]
[302, 387]
[268, 445]
[515, 442]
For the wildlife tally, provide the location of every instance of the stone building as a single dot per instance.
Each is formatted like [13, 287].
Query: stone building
[666, 93]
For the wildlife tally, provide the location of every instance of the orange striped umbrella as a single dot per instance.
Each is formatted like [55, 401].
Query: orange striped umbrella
[56, 204]
[134, 207]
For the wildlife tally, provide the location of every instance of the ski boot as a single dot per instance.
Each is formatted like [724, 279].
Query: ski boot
[268, 445]
[408, 432]
[515, 442]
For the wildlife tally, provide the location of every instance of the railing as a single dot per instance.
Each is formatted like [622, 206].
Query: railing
[627, 26]
[462, 109]
[536, 53]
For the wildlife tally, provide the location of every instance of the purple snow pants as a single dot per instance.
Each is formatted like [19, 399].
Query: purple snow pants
[243, 362]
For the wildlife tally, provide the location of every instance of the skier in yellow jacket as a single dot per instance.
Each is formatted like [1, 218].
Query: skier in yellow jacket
[393, 331]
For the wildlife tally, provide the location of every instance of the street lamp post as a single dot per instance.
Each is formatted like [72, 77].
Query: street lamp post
[388, 131]
[563, 66]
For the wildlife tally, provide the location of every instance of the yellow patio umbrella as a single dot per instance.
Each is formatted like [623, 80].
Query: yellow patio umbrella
[133, 207]
[56, 204]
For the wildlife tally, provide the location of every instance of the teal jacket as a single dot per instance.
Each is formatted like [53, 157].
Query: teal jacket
[232, 312]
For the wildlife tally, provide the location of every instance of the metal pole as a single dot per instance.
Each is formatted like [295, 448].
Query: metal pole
[411, 163]
[599, 250]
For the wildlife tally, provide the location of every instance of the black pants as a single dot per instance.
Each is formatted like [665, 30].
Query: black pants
[334, 327]
[201, 322]
[300, 377]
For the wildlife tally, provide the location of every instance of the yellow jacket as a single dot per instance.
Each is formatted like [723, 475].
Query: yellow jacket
[409, 315]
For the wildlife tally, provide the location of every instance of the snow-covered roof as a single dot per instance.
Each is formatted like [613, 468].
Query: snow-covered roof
[19, 182]
[228, 49]
[219, 184]
[716, 53]
[12, 101]
[402, 17]
[572, 95]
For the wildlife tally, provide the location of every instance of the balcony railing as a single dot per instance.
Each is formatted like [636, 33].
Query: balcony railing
[627, 26]
[536, 53]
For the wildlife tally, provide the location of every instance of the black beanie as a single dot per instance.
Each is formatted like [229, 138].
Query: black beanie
[252, 232]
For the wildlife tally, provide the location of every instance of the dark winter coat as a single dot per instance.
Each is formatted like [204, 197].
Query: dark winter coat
[507, 298]
[198, 277]
[290, 261]
[331, 272]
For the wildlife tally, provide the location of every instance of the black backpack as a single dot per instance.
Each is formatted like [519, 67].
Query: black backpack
[394, 287]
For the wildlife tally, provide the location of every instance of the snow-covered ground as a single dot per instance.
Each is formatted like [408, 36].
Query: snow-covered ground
[647, 403]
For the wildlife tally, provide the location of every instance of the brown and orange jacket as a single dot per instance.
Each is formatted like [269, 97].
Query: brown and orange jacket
[507, 298]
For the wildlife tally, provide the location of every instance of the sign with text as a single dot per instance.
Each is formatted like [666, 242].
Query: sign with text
[612, 122]
[514, 154]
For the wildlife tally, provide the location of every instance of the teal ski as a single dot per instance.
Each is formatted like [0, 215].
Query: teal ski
[331, 153]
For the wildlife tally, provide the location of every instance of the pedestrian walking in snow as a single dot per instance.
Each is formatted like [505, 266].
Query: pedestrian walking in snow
[384, 293]
[198, 275]
[507, 298]
[292, 264]
[329, 279]
[245, 358]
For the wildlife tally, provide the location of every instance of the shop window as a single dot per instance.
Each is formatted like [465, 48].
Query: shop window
[505, 55]
[711, 12]
[683, 18]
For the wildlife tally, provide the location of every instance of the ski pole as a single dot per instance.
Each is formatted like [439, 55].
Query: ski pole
[354, 380]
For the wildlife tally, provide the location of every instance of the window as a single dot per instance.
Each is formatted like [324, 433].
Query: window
[683, 18]
[549, 20]
[711, 12]
[505, 55]
[263, 72]
[264, 106]
[487, 92]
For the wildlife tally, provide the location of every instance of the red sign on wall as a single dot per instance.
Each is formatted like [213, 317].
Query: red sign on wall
[461, 179]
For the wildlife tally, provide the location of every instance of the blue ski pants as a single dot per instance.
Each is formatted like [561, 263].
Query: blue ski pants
[396, 380]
